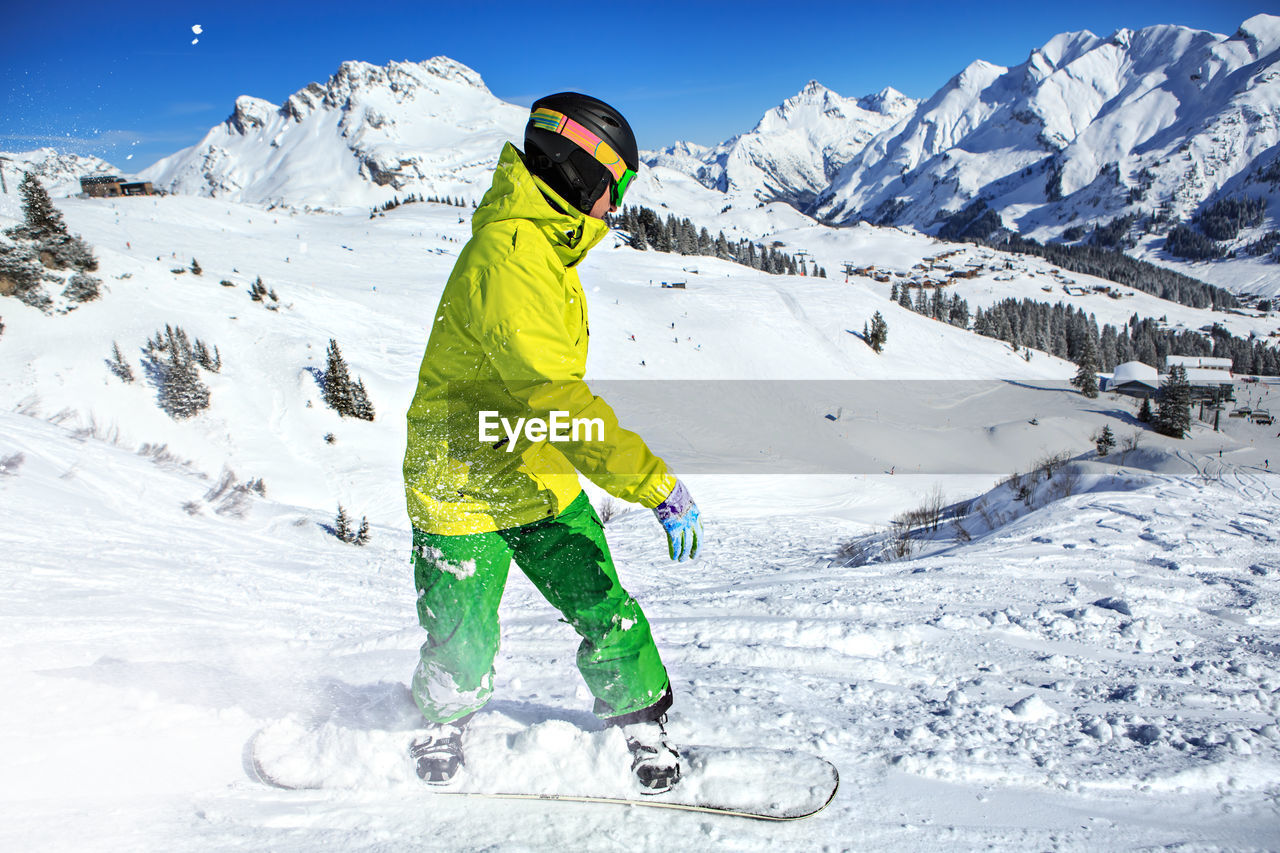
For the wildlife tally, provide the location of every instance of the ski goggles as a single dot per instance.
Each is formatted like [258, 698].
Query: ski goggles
[603, 153]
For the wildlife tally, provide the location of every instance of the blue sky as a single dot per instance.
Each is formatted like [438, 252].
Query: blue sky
[121, 80]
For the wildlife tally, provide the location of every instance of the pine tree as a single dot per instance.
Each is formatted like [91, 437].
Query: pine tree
[904, 297]
[362, 535]
[337, 381]
[360, 406]
[922, 302]
[722, 248]
[342, 525]
[211, 362]
[345, 396]
[893, 292]
[41, 219]
[879, 333]
[1086, 378]
[1105, 441]
[1144, 413]
[41, 237]
[688, 238]
[117, 364]
[1173, 413]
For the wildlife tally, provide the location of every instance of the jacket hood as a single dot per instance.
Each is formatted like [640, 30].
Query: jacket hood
[518, 194]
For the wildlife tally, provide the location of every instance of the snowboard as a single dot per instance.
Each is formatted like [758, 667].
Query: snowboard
[573, 767]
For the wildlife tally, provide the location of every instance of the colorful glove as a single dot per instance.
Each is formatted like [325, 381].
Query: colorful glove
[679, 517]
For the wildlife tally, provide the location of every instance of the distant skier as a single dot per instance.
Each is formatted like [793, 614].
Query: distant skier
[510, 337]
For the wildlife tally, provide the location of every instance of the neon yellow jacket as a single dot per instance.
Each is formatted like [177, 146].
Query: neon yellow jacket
[510, 335]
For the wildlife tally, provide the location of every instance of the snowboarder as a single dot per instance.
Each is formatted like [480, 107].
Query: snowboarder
[510, 337]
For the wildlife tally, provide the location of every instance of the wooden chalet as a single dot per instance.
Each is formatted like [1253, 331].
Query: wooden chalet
[112, 186]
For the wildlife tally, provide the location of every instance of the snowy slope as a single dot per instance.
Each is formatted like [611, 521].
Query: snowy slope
[372, 284]
[1097, 673]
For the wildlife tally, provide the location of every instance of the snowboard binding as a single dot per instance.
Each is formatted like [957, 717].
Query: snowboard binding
[655, 762]
[437, 755]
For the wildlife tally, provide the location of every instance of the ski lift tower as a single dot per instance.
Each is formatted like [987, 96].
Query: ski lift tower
[801, 255]
[848, 271]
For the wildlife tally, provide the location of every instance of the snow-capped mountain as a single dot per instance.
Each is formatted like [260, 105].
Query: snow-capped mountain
[1087, 128]
[59, 173]
[1157, 124]
[795, 150]
[368, 133]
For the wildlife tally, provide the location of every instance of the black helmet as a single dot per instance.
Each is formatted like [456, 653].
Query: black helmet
[580, 165]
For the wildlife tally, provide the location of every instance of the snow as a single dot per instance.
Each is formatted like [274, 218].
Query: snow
[993, 693]
[1091, 666]
[1081, 654]
[1135, 371]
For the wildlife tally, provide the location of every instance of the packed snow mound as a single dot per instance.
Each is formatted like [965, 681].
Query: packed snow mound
[367, 135]
[1028, 499]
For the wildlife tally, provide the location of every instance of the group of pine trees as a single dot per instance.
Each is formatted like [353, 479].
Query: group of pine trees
[1216, 224]
[646, 229]
[344, 529]
[41, 242]
[173, 363]
[933, 302]
[342, 394]
[259, 292]
[1064, 330]
[415, 198]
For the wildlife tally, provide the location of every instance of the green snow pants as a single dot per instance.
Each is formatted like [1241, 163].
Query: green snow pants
[460, 580]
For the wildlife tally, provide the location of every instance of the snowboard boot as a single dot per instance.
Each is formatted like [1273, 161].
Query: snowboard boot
[437, 754]
[653, 759]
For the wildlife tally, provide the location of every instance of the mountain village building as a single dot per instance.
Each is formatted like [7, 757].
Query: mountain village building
[1210, 378]
[1134, 379]
[111, 186]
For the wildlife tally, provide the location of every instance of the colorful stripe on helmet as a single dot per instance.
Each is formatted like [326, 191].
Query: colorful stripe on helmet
[560, 123]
